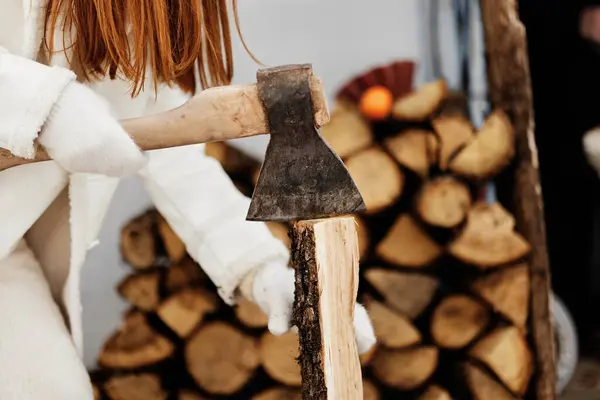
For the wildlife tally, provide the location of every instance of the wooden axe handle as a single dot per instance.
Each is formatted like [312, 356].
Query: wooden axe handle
[213, 115]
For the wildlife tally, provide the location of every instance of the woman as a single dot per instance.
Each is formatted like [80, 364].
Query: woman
[69, 69]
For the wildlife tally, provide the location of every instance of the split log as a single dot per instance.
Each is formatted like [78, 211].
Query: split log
[488, 239]
[279, 355]
[250, 314]
[135, 345]
[410, 149]
[483, 386]
[189, 395]
[135, 387]
[183, 311]
[457, 321]
[421, 103]
[220, 358]
[279, 393]
[505, 352]
[141, 289]
[391, 329]
[437, 393]
[433, 149]
[325, 258]
[370, 391]
[507, 291]
[138, 246]
[174, 246]
[443, 202]
[491, 150]
[405, 369]
[280, 231]
[407, 245]
[184, 274]
[407, 293]
[454, 131]
[347, 131]
[378, 178]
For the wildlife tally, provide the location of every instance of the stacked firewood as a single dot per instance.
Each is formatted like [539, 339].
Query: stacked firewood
[444, 275]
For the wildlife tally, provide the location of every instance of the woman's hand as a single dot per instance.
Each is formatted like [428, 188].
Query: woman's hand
[273, 291]
[82, 135]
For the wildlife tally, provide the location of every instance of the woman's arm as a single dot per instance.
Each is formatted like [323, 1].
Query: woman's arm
[206, 210]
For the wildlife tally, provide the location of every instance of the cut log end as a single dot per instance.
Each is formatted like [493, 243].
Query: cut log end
[280, 231]
[421, 103]
[189, 395]
[457, 321]
[135, 387]
[279, 355]
[174, 246]
[483, 386]
[435, 392]
[443, 202]
[378, 178]
[488, 239]
[138, 246]
[250, 314]
[410, 149]
[347, 132]
[505, 351]
[405, 369]
[135, 345]
[408, 293]
[407, 245]
[391, 329]
[507, 291]
[183, 311]
[221, 359]
[183, 274]
[491, 150]
[370, 391]
[280, 393]
[141, 289]
[454, 131]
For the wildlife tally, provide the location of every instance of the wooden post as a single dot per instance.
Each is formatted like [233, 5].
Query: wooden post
[510, 90]
[325, 257]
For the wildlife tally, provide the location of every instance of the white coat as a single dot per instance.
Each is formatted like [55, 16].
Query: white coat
[190, 189]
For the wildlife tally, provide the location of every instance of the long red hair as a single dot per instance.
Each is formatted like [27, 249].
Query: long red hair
[168, 37]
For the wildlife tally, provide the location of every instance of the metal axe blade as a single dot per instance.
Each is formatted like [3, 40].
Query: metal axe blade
[301, 177]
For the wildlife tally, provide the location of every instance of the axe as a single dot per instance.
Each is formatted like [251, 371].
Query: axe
[302, 181]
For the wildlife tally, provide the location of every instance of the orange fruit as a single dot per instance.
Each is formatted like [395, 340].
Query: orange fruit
[376, 102]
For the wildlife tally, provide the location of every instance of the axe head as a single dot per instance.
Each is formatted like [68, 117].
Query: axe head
[301, 177]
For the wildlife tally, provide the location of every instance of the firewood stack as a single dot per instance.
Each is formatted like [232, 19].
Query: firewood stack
[444, 275]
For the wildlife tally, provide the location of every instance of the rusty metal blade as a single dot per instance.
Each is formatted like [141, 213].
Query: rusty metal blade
[301, 177]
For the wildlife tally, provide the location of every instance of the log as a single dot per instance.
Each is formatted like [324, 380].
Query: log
[405, 369]
[433, 149]
[135, 387]
[250, 314]
[325, 257]
[457, 321]
[347, 131]
[454, 131]
[370, 391]
[279, 355]
[189, 395]
[97, 394]
[421, 103]
[507, 291]
[280, 231]
[378, 178]
[443, 202]
[407, 293]
[184, 274]
[174, 246]
[141, 289]
[279, 393]
[483, 386]
[490, 151]
[138, 246]
[220, 358]
[392, 329]
[488, 239]
[407, 245]
[135, 345]
[506, 353]
[435, 392]
[232, 160]
[410, 149]
[366, 358]
[183, 311]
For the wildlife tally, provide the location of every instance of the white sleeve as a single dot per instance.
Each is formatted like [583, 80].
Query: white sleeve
[202, 205]
[28, 90]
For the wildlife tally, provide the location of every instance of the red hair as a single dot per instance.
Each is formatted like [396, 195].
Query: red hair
[171, 37]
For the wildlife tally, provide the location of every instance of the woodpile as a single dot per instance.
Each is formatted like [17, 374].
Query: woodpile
[444, 276]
